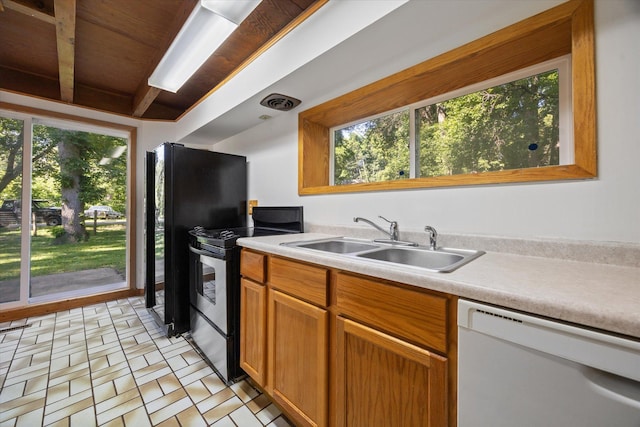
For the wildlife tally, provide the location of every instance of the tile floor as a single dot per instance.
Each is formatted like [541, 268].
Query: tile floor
[110, 364]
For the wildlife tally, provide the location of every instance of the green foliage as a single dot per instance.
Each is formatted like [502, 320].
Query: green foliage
[100, 181]
[372, 151]
[57, 231]
[510, 126]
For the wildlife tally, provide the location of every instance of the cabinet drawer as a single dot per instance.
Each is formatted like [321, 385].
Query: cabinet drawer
[304, 281]
[252, 265]
[415, 316]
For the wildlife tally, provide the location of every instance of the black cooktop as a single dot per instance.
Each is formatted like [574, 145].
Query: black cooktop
[267, 220]
[226, 237]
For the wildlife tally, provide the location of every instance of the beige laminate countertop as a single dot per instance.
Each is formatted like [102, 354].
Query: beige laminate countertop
[597, 295]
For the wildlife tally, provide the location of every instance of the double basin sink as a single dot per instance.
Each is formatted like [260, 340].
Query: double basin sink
[442, 260]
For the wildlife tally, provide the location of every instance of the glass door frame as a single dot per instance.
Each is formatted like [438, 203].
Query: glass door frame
[29, 116]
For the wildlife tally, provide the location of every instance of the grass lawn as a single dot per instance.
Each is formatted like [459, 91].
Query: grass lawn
[107, 248]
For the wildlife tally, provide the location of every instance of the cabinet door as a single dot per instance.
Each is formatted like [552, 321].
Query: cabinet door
[253, 330]
[298, 353]
[384, 381]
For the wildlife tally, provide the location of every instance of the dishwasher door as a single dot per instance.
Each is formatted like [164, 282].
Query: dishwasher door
[521, 370]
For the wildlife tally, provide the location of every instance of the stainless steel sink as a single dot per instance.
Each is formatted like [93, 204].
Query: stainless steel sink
[441, 260]
[337, 246]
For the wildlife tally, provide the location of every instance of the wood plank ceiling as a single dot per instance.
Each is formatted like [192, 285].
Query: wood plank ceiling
[100, 53]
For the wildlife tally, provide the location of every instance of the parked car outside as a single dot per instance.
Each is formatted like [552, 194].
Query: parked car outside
[102, 212]
[11, 213]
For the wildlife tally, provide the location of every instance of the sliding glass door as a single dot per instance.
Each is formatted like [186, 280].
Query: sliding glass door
[12, 137]
[70, 239]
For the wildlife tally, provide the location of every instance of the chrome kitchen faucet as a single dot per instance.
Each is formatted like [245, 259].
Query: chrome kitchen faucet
[393, 227]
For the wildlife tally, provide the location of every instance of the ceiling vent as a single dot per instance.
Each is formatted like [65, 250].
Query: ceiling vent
[280, 102]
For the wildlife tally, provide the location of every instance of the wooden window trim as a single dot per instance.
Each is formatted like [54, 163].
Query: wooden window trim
[564, 29]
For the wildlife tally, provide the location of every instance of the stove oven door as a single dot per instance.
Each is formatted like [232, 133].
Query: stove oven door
[208, 293]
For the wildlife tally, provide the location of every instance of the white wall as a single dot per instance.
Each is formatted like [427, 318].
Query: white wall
[603, 209]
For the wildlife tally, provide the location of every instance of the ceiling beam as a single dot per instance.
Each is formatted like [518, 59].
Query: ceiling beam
[30, 8]
[65, 11]
[143, 99]
[145, 94]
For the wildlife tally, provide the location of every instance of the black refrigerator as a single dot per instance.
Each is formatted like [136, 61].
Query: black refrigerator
[185, 188]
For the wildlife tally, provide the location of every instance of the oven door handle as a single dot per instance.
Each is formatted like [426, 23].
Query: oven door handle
[206, 253]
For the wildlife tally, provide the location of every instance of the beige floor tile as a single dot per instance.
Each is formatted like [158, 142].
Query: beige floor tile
[224, 422]
[213, 383]
[60, 362]
[137, 418]
[165, 401]
[109, 375]
[170, 410]
[22, 405]
[171, 422]
[57, 392]
[20, 362]
[215, 400]
[36, 384]
[197, 391]
[73, 405]
[58, 404]
[139, 350]
[177, 363]
[152, 375]
[258, 404]
[268, 414]
[30, 419]
[98, 363]
[151, 391]
[169, 383]
[191, 417]
[68, 376]
[280, 422]
[175, 349]
[84, 418]
[124, 383]
[201, 373]
[131, 375]
[104, 392]
[119, 410]
[222, 410]
[243, 417]
[12, 378]
[117, 357]
[12, 392]
[80, 384]
[117, 401]
[244, 391]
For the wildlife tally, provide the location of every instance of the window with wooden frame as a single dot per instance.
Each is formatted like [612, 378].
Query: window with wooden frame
[564, 31]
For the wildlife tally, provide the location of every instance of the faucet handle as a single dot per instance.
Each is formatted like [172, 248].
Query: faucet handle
[393, 228]
[433, 236]
[390, 222]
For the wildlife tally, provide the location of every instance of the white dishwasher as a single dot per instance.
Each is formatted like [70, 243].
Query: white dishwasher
[520, 370]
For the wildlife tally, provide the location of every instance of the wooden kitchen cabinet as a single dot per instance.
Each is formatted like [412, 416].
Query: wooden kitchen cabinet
[392, 344]
[384, 381]
[298, 353]
[253, 330]
[253, 315]
[284, 324]
[333, 348]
